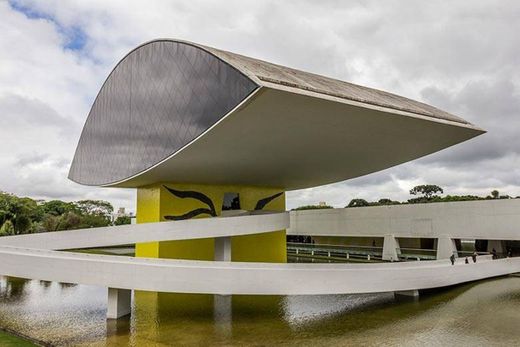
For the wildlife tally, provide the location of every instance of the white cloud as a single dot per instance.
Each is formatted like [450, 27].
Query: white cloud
[460, 56]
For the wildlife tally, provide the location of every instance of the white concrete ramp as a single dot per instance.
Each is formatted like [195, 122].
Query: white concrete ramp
[149, 232]
[35, 256]
[219, 277]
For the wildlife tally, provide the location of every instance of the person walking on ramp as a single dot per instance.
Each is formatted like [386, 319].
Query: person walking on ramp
[452, 258]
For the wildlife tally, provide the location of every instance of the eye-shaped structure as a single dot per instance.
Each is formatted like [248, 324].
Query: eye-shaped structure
[174, 111]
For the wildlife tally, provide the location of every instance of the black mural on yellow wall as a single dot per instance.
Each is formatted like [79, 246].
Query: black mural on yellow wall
[194, 195]
[261, 203]
[206, 200]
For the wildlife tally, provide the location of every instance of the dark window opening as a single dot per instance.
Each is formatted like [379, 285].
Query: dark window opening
[231, 202]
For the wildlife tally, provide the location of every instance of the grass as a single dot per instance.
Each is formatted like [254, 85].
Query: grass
[8, 340]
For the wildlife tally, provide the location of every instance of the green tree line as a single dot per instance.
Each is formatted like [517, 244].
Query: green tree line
[22, 215]
[425, 193]
[428, 193]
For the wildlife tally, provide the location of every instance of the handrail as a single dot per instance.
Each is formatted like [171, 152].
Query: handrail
[330, 245]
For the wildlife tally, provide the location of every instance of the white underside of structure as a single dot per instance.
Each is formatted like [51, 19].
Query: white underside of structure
[306, 140]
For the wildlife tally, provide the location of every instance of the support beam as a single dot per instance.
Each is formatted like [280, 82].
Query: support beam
[446, 247]
[391, 248]
[223, 248]
[119, 303]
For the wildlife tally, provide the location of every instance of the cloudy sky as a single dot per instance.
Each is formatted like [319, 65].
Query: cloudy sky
[461, 56]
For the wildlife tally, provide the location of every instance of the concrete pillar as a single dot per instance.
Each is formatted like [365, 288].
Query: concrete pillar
[223, 313]
[222, 305]
[410, 294]
[446, 247]
[119, 303]
[391, 248]
[223, 248]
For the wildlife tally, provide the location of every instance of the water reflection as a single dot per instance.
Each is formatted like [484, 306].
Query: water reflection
[12, 289]
[303, 309]
[483, 313]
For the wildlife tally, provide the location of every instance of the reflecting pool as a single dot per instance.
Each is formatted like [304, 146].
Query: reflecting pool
[485, 313]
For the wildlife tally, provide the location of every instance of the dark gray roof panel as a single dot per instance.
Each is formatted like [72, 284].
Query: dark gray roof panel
[160, 97]
[285, 76]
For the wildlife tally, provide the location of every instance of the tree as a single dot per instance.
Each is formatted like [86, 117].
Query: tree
[28, 207]
[7, 228]
[94, 207]
[19, 211]
[20, 215]
[428, 190]
[386, 201]
[94, 221]
[50, 222]
[37, 227]
[22, 224]
[358, 203]
[121, 220]
[70, 220]
[312, 207]
[495, 194]
[94, 213]
[57, 207]
[6, 207]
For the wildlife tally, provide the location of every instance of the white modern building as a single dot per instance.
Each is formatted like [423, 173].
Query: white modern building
[202, 132]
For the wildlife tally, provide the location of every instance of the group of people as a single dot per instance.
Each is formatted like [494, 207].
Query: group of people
[494, 255]
[473, 257]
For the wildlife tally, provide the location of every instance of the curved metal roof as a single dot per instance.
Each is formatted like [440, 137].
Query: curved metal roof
[177, 111]
[267, 74]
[157, 99]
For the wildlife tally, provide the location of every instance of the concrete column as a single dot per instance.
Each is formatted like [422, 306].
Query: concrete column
[119, 303]
[223, 248]
[222, 303]
[222, 311]
[446, 247]
[391, 248]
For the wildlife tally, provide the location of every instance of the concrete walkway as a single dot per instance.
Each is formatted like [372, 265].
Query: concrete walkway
[35, 256]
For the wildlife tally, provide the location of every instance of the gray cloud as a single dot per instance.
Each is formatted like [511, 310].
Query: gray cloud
[20, 110]
[493, 105]
[31, 159]
[459, 56]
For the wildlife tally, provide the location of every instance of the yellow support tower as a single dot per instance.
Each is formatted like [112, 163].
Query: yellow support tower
[172, 201]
